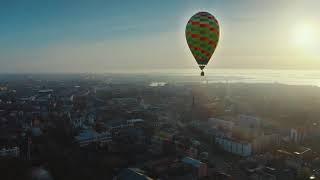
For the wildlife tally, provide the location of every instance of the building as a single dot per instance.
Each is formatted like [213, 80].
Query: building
[216, 127]
[82, 120]
[159, 141]
[45, 91]
[250, 125]
[10, 152]
[132, 174]
[125, 102]
[135, 122]
[199, 168]
[117, 125]
[219, 123]
[262, 175]
[237, 147]
[295, 158]
[298, 135]
[249, 121]
[87, 137]
[265, 142]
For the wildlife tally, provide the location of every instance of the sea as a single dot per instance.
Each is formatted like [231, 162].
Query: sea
[160, 77]
[289, 77]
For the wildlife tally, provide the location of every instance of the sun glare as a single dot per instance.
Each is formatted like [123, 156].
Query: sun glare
[306, 38]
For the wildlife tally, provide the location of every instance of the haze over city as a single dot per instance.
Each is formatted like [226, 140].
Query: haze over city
[99, 36]
[159, 90]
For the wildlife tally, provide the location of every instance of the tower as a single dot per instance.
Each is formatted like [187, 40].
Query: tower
[25, 146]
[193, 108]
[193, 103]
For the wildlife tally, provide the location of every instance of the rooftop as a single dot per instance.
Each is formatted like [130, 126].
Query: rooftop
[133, 174]
[191, 161]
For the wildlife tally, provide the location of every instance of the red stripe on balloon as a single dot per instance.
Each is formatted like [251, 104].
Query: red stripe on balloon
[207, 15]
[197, 36]
[198, 58]
[208, 26]
[201, 50]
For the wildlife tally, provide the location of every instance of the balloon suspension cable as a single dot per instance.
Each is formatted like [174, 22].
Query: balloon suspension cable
[205, 78]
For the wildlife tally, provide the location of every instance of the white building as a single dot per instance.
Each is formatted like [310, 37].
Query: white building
[233, 146]
[125, 102]
[82, 120]
[246, 148]
[89, 136]
[13, 152]
[124, 124]
[298, 135]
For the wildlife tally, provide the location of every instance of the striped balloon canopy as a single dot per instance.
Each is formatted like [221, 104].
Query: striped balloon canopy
[202, 34]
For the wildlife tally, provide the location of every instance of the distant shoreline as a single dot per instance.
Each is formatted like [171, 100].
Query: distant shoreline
[159, 70]
[251, 76]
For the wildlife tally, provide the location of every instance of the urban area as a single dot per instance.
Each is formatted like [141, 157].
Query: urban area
[132, 127]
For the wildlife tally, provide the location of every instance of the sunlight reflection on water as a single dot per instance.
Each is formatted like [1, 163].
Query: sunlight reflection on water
[290, 77]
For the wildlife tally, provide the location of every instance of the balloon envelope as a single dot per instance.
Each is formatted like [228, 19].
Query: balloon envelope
[202, 34]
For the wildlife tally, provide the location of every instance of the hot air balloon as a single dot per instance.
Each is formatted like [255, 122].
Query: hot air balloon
[202, 34]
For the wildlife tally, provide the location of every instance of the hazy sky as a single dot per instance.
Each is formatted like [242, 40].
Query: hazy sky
[99, 36]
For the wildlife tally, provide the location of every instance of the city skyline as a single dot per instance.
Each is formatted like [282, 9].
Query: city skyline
[99, 36]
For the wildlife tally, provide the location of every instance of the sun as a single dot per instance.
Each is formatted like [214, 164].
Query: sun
[306, 38]
[304, 35]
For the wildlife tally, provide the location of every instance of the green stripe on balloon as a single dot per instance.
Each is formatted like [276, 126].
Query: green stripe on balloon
[213, 24]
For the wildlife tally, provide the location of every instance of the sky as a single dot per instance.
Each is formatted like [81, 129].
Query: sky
[110, 35]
